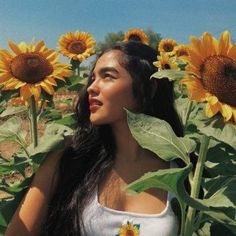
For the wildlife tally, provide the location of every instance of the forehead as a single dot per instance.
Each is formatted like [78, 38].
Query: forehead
[110, 59]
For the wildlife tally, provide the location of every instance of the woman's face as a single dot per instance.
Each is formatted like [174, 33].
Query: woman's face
[110, 91]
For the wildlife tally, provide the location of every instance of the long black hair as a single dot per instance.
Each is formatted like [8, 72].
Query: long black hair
[91, 154]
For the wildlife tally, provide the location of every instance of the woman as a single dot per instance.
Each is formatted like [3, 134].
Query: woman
[82, 193]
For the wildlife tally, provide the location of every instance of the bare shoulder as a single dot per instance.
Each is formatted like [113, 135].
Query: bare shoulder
[29, 215]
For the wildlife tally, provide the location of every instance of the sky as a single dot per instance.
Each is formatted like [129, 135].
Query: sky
[23, 20]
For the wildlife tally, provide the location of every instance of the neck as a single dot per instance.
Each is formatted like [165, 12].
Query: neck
[127, 147]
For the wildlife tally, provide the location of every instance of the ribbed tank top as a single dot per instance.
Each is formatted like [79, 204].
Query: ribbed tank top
[103, 221]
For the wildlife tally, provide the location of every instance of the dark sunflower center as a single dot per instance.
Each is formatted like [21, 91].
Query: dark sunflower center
[219, 77]
[166, 66]
[129, 232]
[168, 47]
[30, 67]
[134, 37]
[77, 47]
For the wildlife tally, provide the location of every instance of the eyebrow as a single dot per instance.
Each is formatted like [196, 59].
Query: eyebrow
[108, 69]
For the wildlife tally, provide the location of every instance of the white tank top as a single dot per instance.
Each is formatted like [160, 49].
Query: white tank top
[103, 221]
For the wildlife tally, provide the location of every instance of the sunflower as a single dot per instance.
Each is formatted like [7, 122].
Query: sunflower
[165, 62]
[129, 229]
[181, 50]
[19, 101]
[212, 65]
[167, 46]
[77, 45]
[136, 35]
[31, 68]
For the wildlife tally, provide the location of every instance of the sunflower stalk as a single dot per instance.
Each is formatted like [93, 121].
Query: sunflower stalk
[23, 145]
[75, 67]
[196, 184]
[187, 113]
[33, 121]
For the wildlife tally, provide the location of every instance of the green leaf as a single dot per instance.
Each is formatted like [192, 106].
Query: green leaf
[172, 75]
[221, 192]
[221, 159]
[223, 218]
[8, 208]
[68, 120]
[171, 180]
[53, 139]
[76, 83]
[51, 114]
[11, 130]
[157, 136]
[13, 110]
[224, 132]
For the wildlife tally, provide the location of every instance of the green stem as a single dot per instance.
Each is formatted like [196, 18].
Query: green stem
[196, 184]
[33, 121]
[182, 220]
[24, 148]
[75, 67]
[187, 113]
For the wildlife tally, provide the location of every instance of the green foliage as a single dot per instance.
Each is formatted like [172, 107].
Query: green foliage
[218, 205]
[115, 37]
[109, 40]
[157, 136]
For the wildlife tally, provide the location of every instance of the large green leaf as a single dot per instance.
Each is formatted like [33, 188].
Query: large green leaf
[221, 159]
[11, 130]
[221, 192]
[223, 218]
[224, 132]
[13, 110]
[157, 136]
[171, 180]
[170, 74]
[53, 138]
[68, 120]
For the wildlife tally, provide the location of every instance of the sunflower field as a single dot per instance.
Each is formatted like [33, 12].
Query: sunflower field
[38, 95]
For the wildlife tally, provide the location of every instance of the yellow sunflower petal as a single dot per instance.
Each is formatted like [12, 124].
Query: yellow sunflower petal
[207, 42]
[211, 110]
[136, 35]
[5, 77]
[35, 90]
[232, 52]
[14, 48]
[47, 87]
[224, 43]
[226, 111]
[25, 92]
[39, 46]
[7, 55]
[195, 89]
[23, 47]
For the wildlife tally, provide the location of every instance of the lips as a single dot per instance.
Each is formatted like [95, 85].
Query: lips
[94, 104]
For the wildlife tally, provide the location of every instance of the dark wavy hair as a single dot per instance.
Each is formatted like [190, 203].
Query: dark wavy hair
[91, 155]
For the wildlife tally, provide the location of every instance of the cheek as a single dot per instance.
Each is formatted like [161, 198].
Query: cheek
[122, 97]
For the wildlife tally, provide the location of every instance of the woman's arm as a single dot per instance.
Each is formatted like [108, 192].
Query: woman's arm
[32, 210]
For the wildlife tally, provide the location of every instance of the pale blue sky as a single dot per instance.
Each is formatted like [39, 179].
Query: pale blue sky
[48, 19]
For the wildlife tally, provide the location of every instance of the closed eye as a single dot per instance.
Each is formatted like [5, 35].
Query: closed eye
[108, 76]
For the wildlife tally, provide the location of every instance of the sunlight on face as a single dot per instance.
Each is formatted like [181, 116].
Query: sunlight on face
[110, 91]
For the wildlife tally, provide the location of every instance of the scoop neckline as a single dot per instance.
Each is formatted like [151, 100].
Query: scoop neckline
[119, 212]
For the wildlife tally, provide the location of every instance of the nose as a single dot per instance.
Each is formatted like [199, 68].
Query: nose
[93, 88]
